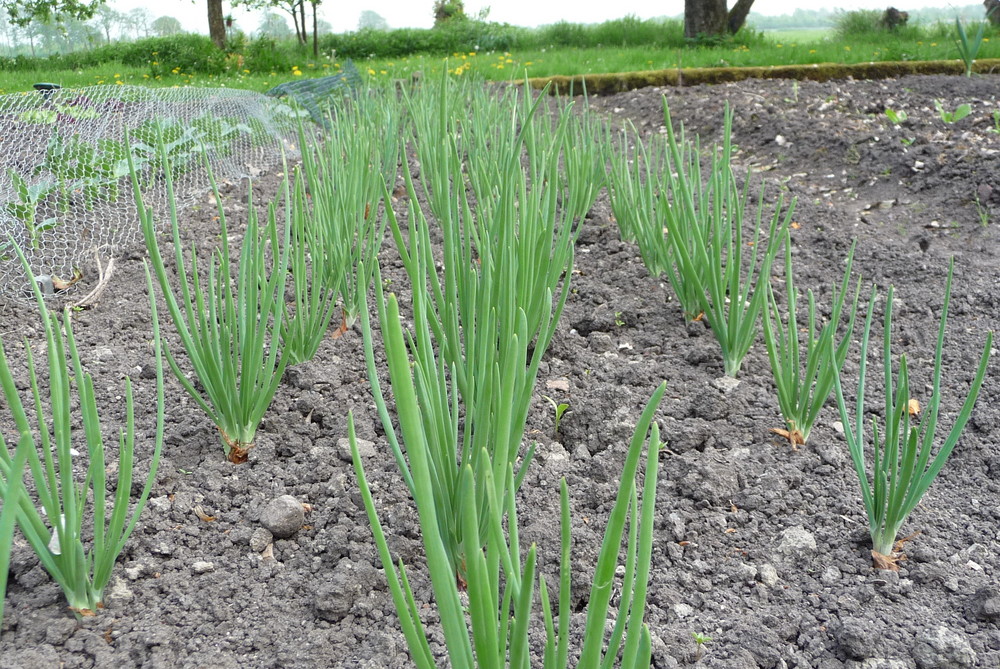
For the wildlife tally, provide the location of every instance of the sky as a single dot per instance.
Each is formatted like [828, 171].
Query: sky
[417, 13]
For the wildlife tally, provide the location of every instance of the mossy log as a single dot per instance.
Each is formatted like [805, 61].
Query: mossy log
[609, 83]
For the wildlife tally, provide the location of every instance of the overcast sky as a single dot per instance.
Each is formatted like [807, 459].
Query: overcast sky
[417, 13]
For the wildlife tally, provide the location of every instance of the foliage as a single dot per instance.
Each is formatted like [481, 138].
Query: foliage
[624, 32]
[274, 26]
[14, 496]
[227, 334]
[488, 316]
[804, 378]
[557, 49]
[448, 10]
[559, 409]
[896, 117]
[371, 20]
[304, 327]
[692, 230]
[904, 459]
[968, 49]
[23, 12]
[996, 123]
[336, 235]
[24, 208]
[189, 52]
[961, 111]
[346, 198]
[451, 37]
[858, 22]
[500, 586]
[46, 452]
[165, 26]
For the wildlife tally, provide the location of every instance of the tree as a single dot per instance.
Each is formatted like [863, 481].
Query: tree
[710, 18]
[216, 23]
[274, 25]
[9, 35]
[370, 20]
[23, 12]
[993, 11]
[79, 35]
[295, 8]
[446, 10]
[166, 25]
[106, 19]
[140, 19]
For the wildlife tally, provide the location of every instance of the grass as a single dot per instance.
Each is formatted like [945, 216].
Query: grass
[800, 35]
[563, 49]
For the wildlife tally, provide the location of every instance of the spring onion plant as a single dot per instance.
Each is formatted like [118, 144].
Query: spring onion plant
[493, 630]
[693, 230]
[904, 460]
[969, 49]
[69, 510]
[305, 325]
[804, 376]
[636, 204]
[13, 495]
[335, 229]
[487, 316]
[226, 317]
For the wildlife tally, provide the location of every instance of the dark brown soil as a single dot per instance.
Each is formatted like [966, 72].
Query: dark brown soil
[761, 547]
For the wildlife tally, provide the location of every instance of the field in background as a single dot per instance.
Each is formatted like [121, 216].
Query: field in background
[798, 34]
[480, 49]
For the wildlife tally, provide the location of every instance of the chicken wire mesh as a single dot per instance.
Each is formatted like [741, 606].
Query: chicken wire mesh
[65, 187]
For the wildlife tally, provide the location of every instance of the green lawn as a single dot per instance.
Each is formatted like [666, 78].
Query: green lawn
[798, 34]
[775, 48]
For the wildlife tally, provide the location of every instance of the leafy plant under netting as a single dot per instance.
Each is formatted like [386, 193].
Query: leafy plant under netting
[64, 168]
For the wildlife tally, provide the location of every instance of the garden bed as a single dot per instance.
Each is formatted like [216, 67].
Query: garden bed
[759, 546]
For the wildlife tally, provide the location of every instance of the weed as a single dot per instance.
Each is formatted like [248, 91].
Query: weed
[961, 111]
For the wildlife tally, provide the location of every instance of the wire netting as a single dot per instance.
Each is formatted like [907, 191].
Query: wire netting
[65, 186]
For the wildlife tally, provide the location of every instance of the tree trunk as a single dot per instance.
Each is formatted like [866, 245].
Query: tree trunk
[216, 23]
[710, 18]
[993, 11]
[738, 15]
[704, 18]
[315, 3]
[302, 14]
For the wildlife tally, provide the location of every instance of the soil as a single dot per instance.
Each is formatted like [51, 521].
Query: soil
[759, 546]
